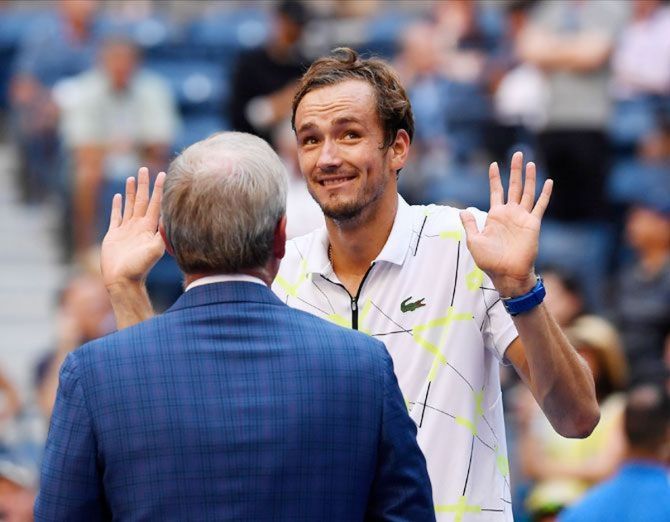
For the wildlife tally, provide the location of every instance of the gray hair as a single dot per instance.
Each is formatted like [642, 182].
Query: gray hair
[222, 201]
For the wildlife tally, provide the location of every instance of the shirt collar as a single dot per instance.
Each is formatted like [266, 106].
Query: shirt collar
[224, 278]
[394, 251]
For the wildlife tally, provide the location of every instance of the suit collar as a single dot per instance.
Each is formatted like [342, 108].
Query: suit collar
[225, 292]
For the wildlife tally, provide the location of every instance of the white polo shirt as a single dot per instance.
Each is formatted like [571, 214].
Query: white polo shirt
[446, 329]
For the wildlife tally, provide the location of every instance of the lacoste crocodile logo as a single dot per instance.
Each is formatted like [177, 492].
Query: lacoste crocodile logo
[410, 307]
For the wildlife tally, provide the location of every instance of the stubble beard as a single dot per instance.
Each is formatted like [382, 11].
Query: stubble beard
[352, 211]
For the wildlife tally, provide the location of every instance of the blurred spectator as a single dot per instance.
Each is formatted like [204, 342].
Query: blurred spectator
[116, 118]
[571, 41]
[562, 469]
[264, 79]
[84, 313]
[641, 60]
[420, 67]
[642, 300]
[302, 213]
[518, 89]
[463, 39]
[565, 299]
[17, 492]
[465, 45]
[55, 48]
[640, 491]
[655, 146]
[10, 404]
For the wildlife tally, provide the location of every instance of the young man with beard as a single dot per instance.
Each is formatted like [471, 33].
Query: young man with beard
[428, 281]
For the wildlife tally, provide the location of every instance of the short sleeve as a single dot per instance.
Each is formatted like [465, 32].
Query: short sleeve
[160, 120]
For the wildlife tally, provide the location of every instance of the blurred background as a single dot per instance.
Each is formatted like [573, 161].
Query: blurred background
[91, 90]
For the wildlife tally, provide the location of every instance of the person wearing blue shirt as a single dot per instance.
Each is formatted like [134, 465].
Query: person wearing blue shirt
[640, 491]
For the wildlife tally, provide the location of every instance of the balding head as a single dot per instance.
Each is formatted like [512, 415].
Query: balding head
[224, 198]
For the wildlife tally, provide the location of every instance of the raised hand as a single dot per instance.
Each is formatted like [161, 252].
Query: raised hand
[132, 244]
[507, 246]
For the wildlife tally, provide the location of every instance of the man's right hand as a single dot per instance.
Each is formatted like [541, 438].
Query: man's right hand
[131, 247]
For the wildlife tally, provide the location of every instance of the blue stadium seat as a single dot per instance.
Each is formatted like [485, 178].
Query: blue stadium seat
[199, 85]
[14, 25]
[634, 180]
[584, 249]
[196, 127]
[464, 186]
[223, 34]
[631, 120]
[384, 32]
[151, 34]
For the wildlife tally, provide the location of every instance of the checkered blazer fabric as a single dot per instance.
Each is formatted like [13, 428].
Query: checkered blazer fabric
[232, 406]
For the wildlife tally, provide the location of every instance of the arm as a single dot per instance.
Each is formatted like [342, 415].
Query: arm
[506, 249]
[70, 483]
[13, 402]
[401, 489]
[554, 372]
[87, 182]
[131, 247]
[582, 52]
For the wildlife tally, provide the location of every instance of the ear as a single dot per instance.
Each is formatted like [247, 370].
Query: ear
[399, 150]
[168, 246]
[279, 247]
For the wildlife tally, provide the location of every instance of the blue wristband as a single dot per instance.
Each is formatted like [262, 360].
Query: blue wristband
[525, 302]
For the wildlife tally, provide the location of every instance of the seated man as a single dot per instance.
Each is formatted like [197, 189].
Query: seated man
[640, 491]
[231, 405]
[115, 118]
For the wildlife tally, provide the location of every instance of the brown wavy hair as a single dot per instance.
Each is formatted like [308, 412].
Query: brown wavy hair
[393, 106]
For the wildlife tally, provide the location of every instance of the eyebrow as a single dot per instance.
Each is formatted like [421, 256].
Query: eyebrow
[305, 127]
[346, 119]
[337, 122]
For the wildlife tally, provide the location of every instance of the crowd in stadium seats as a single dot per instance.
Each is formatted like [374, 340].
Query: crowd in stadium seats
[90, 91]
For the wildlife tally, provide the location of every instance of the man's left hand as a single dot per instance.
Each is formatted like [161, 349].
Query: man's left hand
[507, 246]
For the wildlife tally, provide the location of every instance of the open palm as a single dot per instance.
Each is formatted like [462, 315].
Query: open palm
[507, 246]
[132, 244]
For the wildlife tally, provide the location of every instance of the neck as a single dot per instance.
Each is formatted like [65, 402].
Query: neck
[644, 455]
[263, 273]
[653, 260]
[356, 243]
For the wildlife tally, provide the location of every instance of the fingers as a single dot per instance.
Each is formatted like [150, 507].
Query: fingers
[130, 199]
[543, 200]
[154, 210]
[142, 197]
[515, 181]
[495, 185]
[115, 215]
[469, 224]
[528, 197]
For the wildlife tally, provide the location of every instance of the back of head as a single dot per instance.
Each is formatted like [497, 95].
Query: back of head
[393, 105]
[223, 199]
[647, 419]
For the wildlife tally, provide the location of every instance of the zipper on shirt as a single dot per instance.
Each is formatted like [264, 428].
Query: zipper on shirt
[354, 299]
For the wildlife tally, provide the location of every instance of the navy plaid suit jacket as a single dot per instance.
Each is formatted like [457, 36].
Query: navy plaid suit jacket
[232, 406]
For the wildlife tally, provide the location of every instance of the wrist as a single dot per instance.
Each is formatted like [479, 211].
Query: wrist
[130, 301]
[525, 302]
[121, 287]
[510, 287]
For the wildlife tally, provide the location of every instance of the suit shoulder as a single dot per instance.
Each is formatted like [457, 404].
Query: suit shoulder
[338, 338]
[120, 342]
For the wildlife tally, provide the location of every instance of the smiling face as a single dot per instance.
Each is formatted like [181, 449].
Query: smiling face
[341, 154]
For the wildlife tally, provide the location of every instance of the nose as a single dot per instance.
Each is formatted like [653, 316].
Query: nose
[329, 158]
